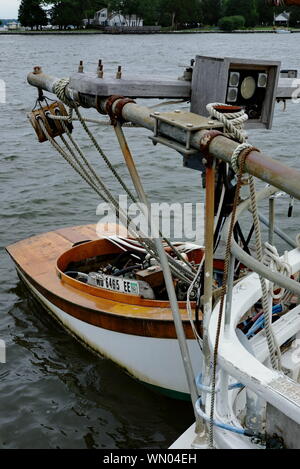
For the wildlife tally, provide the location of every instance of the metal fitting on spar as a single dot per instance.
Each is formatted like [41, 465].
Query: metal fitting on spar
[114, 107]
[206, 140]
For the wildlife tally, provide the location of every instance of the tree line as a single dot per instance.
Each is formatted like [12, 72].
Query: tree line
[176, 14]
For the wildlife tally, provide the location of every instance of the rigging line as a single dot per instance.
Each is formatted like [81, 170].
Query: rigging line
[186, 272]
[129, 193]
[222, 299]
[110, 200]
[125, 148]
[60, 91]
[103, 155]
[105, 123]
[233, 123]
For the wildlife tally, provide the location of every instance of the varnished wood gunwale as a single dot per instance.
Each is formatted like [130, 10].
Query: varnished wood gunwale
[36, 259]
[146, 327]
[93, 249]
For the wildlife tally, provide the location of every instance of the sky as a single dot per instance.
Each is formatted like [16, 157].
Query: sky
[9, 9]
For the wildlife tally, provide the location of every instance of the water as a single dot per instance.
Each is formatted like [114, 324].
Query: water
[53, 393]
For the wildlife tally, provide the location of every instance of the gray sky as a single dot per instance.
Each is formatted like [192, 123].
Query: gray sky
[9, 8]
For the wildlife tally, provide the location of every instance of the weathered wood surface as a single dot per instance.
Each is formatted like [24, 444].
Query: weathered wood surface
[90, 84]
[288, 88]
[135, 87]
[210, 84]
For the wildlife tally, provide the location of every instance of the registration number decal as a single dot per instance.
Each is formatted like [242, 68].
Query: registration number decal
[121, 285]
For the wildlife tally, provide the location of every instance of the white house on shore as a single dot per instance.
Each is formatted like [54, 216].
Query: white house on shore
[13, 26]
[282, 19]
[105, 18]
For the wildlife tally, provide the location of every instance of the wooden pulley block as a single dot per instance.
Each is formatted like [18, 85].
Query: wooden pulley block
[54, 126]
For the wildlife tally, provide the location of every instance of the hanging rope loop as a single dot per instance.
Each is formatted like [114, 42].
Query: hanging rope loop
[243, 148]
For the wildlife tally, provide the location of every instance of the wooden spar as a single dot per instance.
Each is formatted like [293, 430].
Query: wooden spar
[258, 164]
[90, 85]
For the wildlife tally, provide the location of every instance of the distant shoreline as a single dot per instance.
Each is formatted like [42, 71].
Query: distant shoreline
[93, 32]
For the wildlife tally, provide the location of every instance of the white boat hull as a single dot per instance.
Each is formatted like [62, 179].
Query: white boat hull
[153, 361]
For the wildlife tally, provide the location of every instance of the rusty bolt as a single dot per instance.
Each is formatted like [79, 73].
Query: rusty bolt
[119, 73]
[37, 70]
[100, 69]
[80, 68]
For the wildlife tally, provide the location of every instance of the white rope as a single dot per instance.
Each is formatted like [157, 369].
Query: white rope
[233, 124]
[59, 89]
[105, 123]
[236, 155]
[274, 262]
[233, 121]
[179, 269]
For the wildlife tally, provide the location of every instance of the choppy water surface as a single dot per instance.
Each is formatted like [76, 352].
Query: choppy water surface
[53, 393]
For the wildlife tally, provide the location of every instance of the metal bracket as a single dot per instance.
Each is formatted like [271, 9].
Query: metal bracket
[187, 123]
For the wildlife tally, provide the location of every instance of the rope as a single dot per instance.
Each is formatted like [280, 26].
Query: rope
[274, 262]
[222, 300]
[107, 196]
[273, 347]
[236, 155]
[60, 90]
[103, 123]
[233, 123]
[230, 120]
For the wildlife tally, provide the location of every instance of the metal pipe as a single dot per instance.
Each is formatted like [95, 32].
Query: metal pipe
[258, 164]
[271, 219]
[278, 279]
[278, 231]
[166, 271]
[230, 284]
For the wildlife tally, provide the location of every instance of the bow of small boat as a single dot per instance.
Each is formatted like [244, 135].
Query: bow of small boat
[36, 261]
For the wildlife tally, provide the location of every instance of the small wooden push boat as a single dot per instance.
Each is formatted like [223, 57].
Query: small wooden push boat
[128, 326]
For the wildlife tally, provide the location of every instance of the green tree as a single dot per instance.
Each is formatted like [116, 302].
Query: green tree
[176, 12]
[32, 14]
[265, 13]
[66, 12]
[212, 11]
[295, 16]
[241, 7]
[230, 23]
